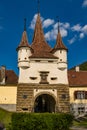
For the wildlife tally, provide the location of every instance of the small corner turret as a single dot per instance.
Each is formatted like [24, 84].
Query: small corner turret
[59, 43]
[60, 51]
[24, 50]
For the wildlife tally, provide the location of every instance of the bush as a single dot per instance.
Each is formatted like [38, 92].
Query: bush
[40, 121]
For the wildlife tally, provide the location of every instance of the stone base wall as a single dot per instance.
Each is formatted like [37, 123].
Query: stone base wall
[63, 99]
[26, 96]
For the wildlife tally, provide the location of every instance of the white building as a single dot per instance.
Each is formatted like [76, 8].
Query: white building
[43, 71]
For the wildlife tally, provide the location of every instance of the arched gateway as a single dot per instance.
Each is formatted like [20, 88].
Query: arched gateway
[44, 103]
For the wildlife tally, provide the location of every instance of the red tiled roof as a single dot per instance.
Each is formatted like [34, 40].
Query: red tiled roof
[10, 77]
[24, 41]
[43, 55]
[77, 78]
[39, 45]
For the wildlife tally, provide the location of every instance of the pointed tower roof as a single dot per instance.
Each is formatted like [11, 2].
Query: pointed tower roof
[59, 43]
[24, 39]
[39, 43]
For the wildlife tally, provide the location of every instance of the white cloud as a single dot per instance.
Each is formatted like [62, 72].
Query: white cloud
[47, 23]
[76, 27]
[51, 35]
[84, 29]
[81, 35]
[84, 3]
[55, 26]
[32, 25]
[63, 32]
[78, 31]
[81, 31]
[72, 40]
[65, 25]
[48, 36]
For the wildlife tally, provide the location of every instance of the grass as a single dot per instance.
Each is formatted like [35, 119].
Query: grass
[82, 123]
[5, 117]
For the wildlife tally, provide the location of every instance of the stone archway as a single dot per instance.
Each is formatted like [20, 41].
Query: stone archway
[44, 103]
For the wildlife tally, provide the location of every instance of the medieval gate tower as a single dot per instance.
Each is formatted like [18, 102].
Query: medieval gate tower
[43, 81]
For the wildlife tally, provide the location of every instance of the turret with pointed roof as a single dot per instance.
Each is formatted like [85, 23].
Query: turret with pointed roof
[24, 50]
[39, 45]
[60, 51]
[24, 39]
[59, 43]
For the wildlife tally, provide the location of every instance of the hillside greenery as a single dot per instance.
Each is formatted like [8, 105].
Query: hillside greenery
[83, 67]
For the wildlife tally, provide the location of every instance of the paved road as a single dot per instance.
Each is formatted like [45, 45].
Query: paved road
[78, 128]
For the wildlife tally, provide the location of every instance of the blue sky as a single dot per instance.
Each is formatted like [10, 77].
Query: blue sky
[73, 26]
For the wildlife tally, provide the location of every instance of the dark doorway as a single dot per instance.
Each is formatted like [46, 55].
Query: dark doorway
[44, 103]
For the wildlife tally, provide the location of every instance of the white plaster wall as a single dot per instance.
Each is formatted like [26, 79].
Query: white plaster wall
[8, 95]
[61, 54]
[62, 65]
[36, 67]
[23, 57]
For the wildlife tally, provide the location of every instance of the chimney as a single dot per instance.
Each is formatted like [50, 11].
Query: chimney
[3, 68]
[77, 68]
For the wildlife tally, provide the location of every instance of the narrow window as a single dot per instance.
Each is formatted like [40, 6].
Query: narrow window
[60, 51]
